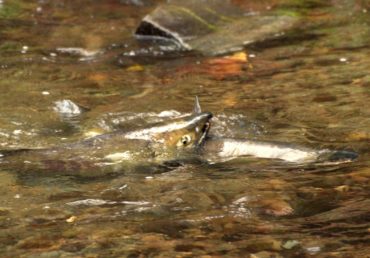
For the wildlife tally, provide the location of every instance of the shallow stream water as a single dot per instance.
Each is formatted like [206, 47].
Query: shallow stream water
[310, 87]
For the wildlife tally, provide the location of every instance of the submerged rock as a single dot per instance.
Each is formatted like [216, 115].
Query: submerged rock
[67, 108]
[211, 27]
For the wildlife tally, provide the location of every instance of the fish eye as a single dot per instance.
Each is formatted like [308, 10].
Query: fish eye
[185, 139]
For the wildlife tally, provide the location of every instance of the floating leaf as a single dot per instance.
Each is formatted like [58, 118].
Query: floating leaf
[135, 68]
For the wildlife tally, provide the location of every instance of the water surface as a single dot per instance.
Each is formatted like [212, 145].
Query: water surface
[310, 88]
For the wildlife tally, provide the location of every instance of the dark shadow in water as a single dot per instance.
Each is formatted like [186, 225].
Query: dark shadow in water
[290, 38]
[37, 177]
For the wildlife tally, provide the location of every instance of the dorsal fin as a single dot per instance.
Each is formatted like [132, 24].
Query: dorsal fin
[197, 109]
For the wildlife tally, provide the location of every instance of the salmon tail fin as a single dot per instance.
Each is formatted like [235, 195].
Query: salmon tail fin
[339, 156]
[343, 155]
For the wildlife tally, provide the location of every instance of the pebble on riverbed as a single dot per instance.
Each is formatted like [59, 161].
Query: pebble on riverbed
[4, 211]
[276, 207]
[260, 244]
[265, 254]
[67, 107]
[342, 188]
[71, 219]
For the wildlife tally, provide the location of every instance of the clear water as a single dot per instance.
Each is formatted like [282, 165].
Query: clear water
[310, 88]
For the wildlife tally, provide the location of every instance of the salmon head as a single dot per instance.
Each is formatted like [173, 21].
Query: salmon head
[184, 133]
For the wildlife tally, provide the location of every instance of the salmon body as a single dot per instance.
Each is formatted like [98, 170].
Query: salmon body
[115, 152]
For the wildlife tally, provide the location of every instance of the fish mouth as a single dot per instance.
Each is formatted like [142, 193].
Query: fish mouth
[205, 130]
[201, 124]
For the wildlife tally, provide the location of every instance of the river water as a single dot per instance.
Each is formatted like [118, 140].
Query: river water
[310, 88]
